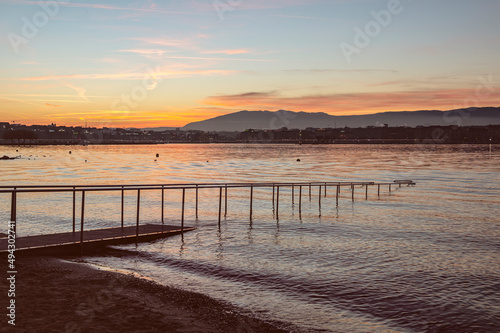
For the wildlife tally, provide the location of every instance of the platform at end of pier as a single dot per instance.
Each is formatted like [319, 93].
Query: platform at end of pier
[70, 242]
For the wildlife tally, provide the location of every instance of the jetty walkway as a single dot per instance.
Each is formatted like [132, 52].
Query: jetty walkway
[74, 240]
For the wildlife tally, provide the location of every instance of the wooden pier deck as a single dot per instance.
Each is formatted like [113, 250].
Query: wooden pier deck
[69, 242]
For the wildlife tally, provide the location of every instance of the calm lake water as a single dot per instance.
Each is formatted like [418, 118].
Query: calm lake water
[418, 259]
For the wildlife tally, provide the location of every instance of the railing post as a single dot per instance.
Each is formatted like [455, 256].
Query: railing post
[13, 206]
[162, 204]
[74, 209]
[319, 200]
[182, 217]
[309, 191]
[277, 202]
[273, 197]
[196, 213]
[337, 196]
[325, 190]
[225, 201]
[378, 190]
[138, 214]
[251, 202]
[123, 205]
[293, 194]
[220, 203]
[352, 189]
[366, 194]
[82, 219]
[300, 200]
[389, 188]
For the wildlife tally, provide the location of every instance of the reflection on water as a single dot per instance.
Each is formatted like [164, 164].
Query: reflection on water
[416, 259]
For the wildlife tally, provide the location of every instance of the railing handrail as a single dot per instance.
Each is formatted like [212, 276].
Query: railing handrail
[94, 188]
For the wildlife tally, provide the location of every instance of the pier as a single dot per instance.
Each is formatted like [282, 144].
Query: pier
[81, 238]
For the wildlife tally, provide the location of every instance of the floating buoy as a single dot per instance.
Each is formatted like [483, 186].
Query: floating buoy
[157, 155]
[70, 151]
[298, 160]
[85, 161]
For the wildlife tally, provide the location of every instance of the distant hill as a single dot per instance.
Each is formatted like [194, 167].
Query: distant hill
[242, 120]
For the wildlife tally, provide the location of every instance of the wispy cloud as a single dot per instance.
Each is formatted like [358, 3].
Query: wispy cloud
[163, 41]
[156, 52]
[18, 100]
[130, 76]
[220, 59]
[330, 70]
[257, 4]
[245, 99]
[109, 60]
[53, 96]
[300, 17]
[172, 116]
[229, 52]
[152, 9]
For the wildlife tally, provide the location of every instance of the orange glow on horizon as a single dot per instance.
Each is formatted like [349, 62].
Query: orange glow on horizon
[80, 108]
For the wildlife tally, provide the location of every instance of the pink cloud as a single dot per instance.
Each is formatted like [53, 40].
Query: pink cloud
[219, 59]
[156, 52]
[229, 52]
[132, 76]
[162, 41]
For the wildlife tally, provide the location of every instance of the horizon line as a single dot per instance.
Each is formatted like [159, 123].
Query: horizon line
[355, 115]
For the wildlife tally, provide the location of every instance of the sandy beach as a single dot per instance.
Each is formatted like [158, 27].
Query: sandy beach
[54, 295]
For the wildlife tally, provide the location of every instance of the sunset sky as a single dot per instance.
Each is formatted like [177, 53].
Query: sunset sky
[168, 63]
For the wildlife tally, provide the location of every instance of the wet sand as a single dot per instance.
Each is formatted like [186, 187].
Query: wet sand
[54, 295]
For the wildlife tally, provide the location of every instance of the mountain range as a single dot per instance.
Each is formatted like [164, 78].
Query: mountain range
[243, 120]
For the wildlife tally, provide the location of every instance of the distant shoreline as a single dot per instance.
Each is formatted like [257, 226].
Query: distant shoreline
[61, 135]
[347, 142]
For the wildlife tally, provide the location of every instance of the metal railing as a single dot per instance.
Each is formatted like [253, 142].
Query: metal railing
[83, 189]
